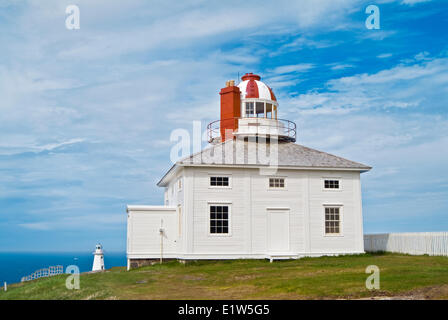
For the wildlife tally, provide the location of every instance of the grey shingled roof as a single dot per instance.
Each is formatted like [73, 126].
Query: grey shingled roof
[289, 154]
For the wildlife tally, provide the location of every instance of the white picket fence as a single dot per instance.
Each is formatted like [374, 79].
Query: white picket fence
[431, 243]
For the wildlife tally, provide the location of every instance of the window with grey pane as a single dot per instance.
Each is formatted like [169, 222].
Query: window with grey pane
[219, 219]
[332, 220]
[276, 182]
[250, 109]
[259, 109]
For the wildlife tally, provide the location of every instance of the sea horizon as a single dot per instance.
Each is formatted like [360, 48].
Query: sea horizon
[16, 264]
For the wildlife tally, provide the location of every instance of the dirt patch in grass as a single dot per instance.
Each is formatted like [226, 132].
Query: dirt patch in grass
[193, 277]
[431, 292]
[426, 293]
[231, 292]
[245, 277]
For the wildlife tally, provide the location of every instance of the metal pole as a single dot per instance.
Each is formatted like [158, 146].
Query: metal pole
[161, 241]
[6, 286]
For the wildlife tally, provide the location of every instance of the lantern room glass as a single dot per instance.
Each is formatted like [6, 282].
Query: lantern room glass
[259, 109]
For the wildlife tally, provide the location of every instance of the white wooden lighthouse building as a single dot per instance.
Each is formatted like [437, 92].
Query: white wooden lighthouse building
[253, 193]
[98, 260]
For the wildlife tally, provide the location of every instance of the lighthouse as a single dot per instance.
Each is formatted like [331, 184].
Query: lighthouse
[253, 193]
[98, 260]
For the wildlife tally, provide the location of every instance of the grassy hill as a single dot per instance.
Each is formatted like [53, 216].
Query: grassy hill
[308, 278]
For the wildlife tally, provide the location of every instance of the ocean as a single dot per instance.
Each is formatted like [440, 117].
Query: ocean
[14, 266]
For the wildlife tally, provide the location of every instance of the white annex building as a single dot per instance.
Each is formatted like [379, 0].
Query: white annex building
[254, 193]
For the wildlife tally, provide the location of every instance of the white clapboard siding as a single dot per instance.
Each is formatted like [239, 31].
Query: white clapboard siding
[251, 205]
[251, 200]
[144, 237]
[431, 243]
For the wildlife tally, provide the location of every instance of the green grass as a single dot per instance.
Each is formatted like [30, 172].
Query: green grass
[307, 278]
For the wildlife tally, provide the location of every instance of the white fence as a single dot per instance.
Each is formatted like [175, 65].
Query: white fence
[431, 243]
[46, 272]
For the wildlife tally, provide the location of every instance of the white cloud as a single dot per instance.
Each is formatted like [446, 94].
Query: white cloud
[287, 75]
[422, 56]
[384, 55]
[302, 42]
[403, 2]
[106, 30]
[377, 35]
[94, 221]
[20, 144]
[41, 226]
[342, 66]
[401, 72]
[413, 2]
[301, 67]
[404, 86]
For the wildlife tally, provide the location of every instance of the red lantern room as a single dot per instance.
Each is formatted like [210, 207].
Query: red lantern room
[249, 109]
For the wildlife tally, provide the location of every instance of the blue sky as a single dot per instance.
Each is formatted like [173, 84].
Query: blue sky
[86, 115]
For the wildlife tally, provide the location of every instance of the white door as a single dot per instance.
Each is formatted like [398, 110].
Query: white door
[278, 231]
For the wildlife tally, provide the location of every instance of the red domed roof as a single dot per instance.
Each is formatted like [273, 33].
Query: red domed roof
[252, 87]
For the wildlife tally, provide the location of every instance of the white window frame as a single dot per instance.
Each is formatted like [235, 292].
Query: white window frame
[179, 184]
[277, 188]
[250, 115]
[332, 189]
[254, 114]
[219, 203]
[341, 220]
[264, 109]
[218, 175]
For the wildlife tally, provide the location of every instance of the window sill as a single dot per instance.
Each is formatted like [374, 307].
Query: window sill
[219, 235]
[333, 235]
[219, 187]
[277, 189]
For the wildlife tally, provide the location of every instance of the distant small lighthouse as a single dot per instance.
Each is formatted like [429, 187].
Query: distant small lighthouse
[98, 260]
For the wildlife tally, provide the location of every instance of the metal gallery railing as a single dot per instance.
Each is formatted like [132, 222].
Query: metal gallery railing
[285, 129]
